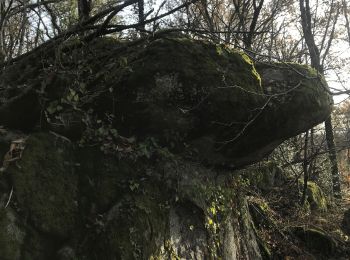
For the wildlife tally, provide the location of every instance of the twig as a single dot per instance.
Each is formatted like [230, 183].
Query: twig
[10, 196]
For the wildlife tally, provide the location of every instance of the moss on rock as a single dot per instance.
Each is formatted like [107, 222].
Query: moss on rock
[11, 235]
[316, 240]
[45, 185]
[189, 95]
[315, 196]
[134, 228]
[103, 195]
[264, 175]
[261, 213]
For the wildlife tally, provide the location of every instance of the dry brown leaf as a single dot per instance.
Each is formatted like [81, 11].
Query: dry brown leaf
[14, 153]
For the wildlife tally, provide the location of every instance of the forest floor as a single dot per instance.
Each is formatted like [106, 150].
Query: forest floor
[286, 213]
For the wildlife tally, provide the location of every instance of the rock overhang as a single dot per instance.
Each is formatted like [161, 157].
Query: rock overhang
[188, 95]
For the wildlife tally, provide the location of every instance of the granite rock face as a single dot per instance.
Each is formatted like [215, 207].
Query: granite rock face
[106, 147]
[71, 203]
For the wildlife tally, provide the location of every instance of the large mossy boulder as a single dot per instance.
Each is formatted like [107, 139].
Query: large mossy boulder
[46, 186]
[109, 143]
[316, 240]
[315, 196]
[191, 96]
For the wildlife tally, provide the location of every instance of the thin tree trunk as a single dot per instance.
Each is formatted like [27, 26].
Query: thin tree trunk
[248, 38]
[22, 34]
[305, 168]
[141, 14]
[316, 63]
[347, 23]
[333, 158]
[84, 8]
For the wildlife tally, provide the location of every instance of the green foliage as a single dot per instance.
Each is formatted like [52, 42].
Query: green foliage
[222, 203]
[52, 108]
[219, 50]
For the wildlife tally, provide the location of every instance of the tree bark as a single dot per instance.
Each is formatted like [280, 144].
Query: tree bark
[347, 23]
[84, 8]
[248, 38]
[333, 158]
[141, 15]
[305, 167]
[316, 63]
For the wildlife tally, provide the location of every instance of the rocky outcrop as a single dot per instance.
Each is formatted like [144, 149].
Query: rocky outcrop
[316, 200]
[67, 204]
[106, 148]
[264, 176]
[188, 95]
[316, 197]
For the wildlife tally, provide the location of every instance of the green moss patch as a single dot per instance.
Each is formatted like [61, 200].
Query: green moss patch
[315, 196]
[45, 185]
